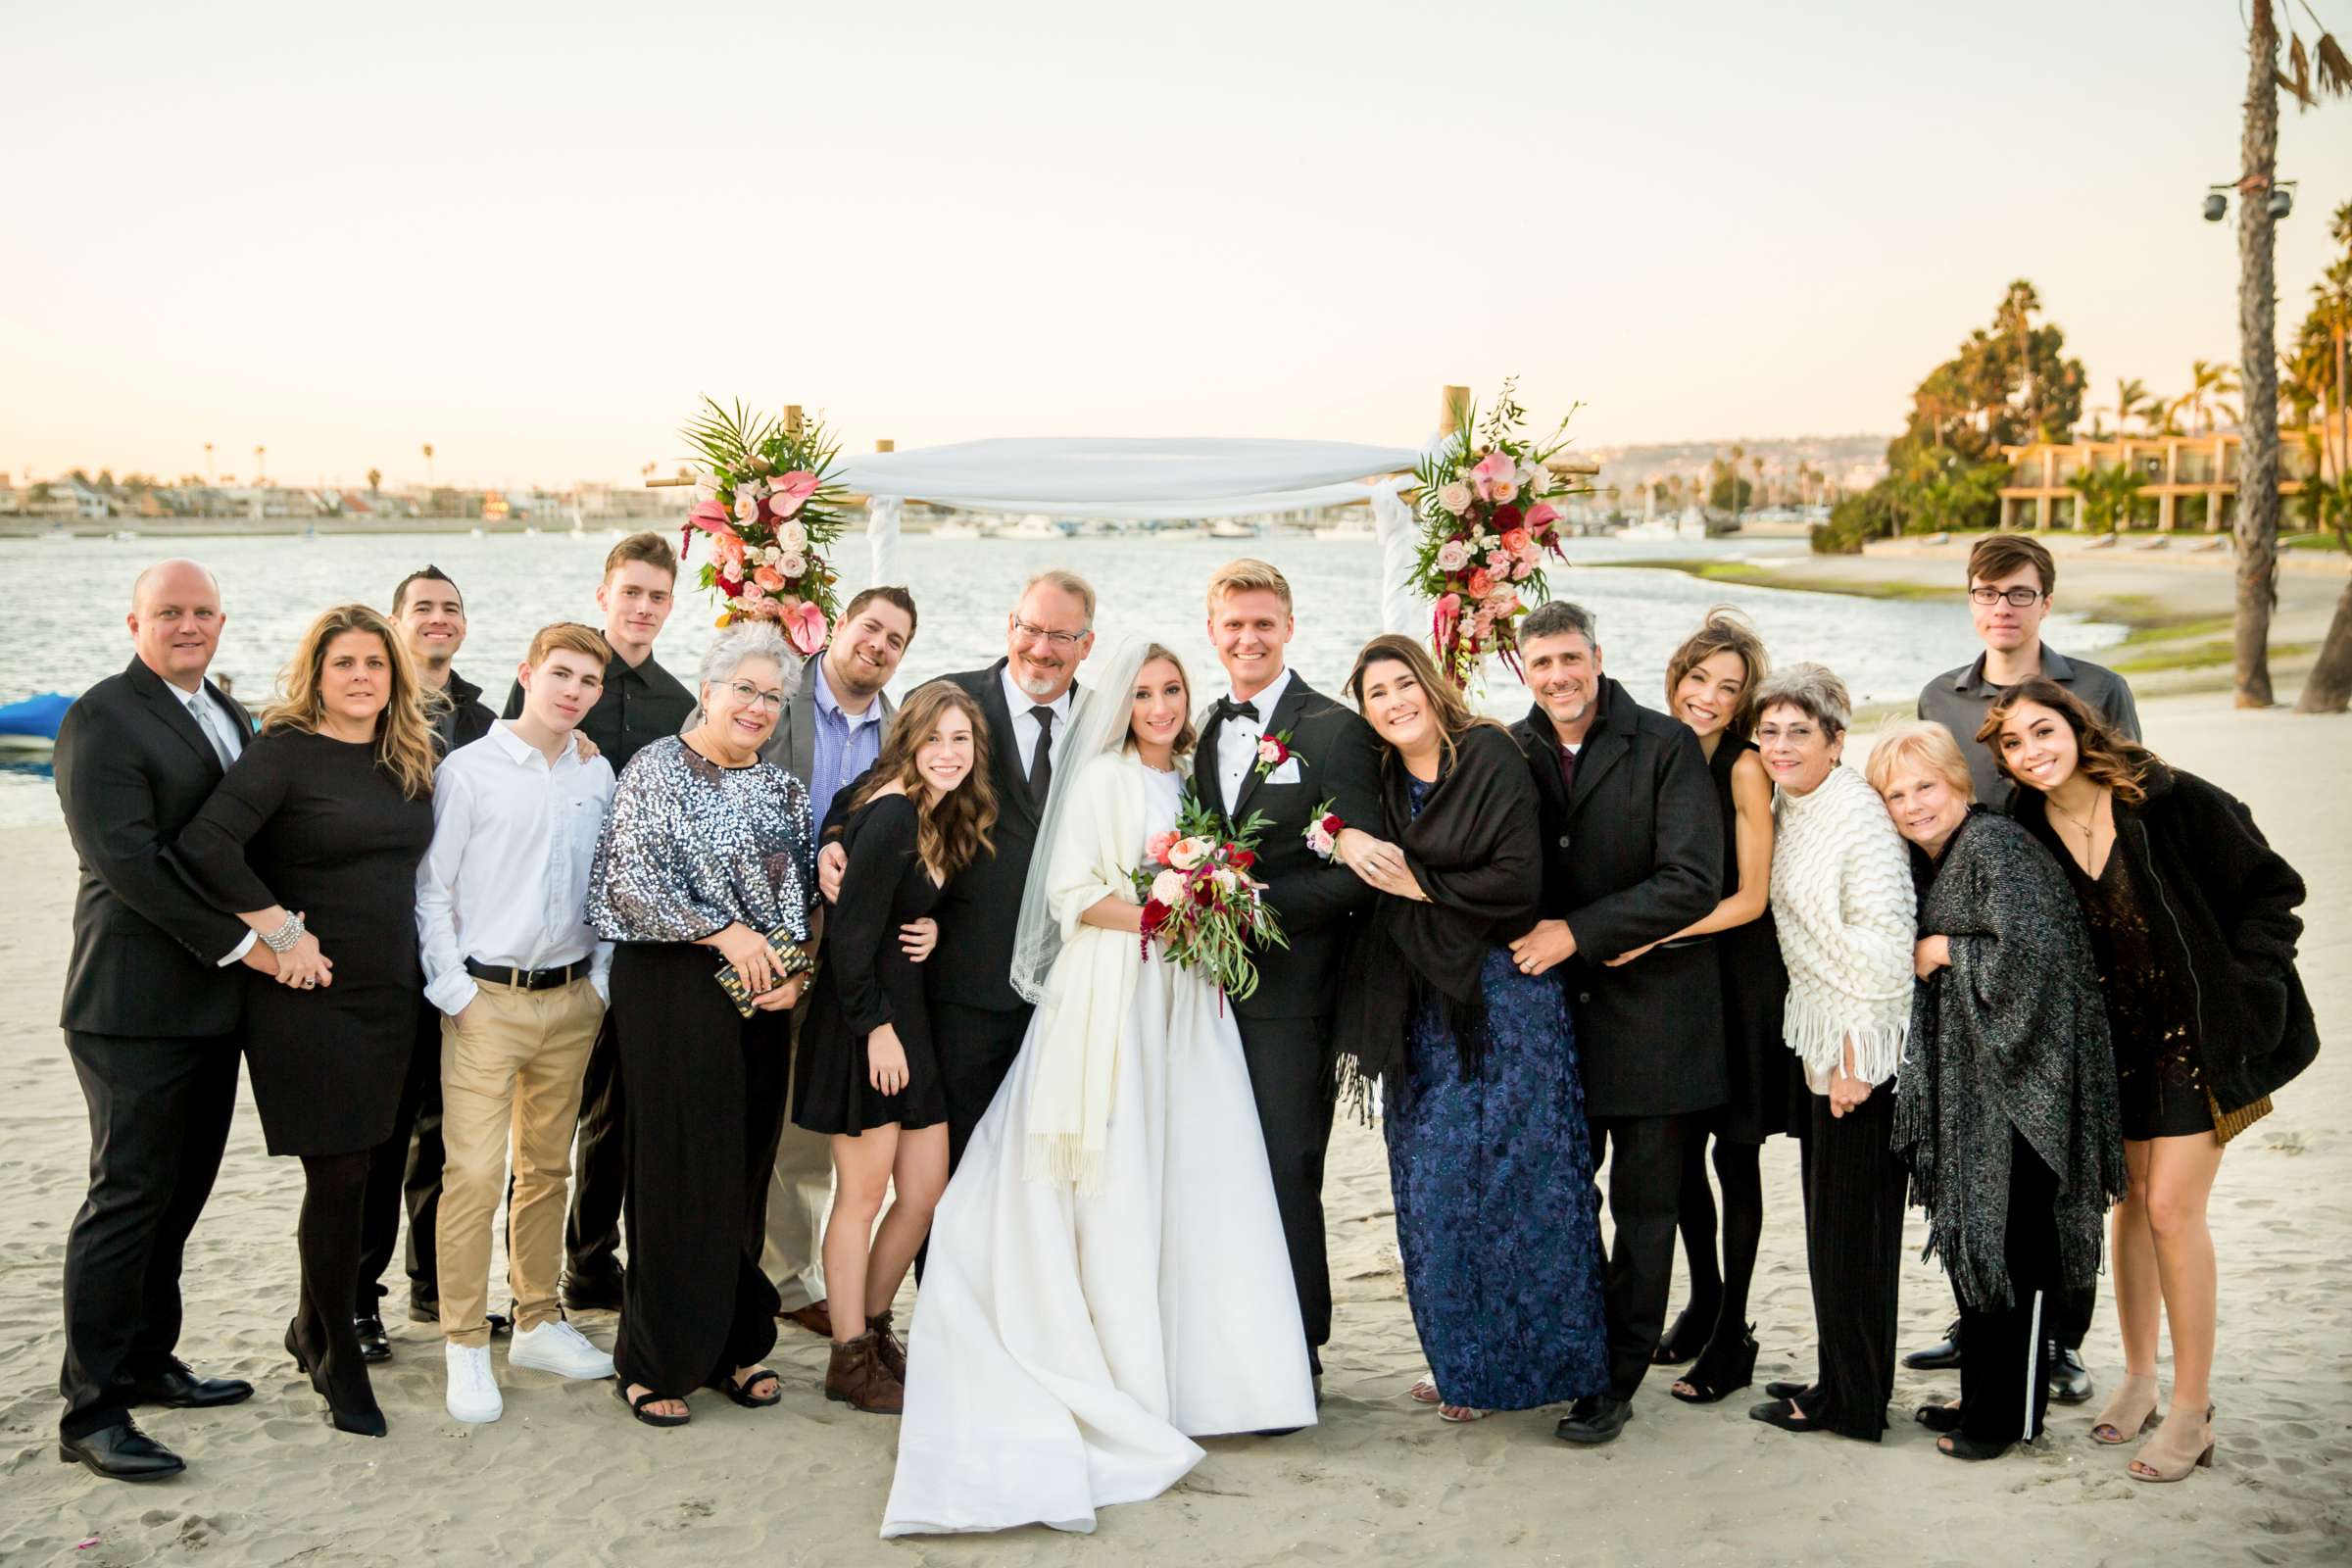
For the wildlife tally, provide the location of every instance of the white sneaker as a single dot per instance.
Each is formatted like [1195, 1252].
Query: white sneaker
[473, 1391]
[557, 1347]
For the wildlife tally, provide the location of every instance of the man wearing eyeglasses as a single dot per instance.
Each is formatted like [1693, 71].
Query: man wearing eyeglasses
[2010, 584]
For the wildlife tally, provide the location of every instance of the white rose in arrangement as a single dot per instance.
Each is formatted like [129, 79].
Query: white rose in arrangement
[793, 537]
[1452, 555]
[1226, 879]
[1454, 497]
[772, 556]
[1185, 853]
[792, 565]
[1169, 887]
[703, 492]
[747, 506]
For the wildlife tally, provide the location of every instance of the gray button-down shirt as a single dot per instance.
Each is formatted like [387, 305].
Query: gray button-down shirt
[1958, 700]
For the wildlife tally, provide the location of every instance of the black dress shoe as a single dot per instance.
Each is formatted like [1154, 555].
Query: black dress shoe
[424, 1308]
[1942, 1357]
[182, 1390]
[587, 1294]
[2069, 1378]
[1595, 1418]
[375, 1343]
[121, 1453]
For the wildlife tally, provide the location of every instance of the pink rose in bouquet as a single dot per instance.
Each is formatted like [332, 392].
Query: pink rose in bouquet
[1518, 542]
[1157, 847]
[1188, 852]
[1480, 583]
[1169, 887]
[769, 578]
[1452, 555]
[1455, 497]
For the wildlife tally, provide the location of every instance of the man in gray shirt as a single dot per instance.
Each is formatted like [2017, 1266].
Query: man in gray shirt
[2010, 581]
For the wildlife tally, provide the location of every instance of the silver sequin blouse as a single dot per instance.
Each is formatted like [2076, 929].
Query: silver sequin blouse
[691, 848]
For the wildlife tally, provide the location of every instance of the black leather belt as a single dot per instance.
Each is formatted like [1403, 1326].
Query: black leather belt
[527, 979]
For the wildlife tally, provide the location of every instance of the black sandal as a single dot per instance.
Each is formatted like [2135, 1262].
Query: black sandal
[1789, 1389]
[1684, 1339]
[725, 1384]
[1938, 1417]
[1716, 1377]
[637, 1406]
[1787, 1414]
[1960, 1445]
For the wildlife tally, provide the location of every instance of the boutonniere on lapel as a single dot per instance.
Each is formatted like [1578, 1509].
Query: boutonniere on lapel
[1273, 751]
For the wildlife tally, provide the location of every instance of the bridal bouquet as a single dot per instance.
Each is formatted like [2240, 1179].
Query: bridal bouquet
[1200, 898]
[1488, 521]
[764, 493]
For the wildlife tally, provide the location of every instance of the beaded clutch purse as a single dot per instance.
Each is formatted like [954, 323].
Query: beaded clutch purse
[791, 960]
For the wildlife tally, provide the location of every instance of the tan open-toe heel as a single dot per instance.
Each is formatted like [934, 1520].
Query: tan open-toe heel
[2176, 1448]
[2132, 1411]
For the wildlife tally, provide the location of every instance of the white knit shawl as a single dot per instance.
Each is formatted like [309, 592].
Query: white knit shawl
[1842, 897]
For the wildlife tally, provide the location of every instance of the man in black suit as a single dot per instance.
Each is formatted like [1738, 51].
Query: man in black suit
[977, 1018]
[1286, 1022]
[405, 1170]
[1633, 853]
[153, 998]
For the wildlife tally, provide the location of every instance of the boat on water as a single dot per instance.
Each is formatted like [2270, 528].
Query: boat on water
[30, 724]
[956, 528]
[1035, 525]
[1351, 528]
[1234, 529]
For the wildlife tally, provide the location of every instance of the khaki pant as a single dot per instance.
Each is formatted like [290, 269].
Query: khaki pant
[799, 1194]
[512, 1069]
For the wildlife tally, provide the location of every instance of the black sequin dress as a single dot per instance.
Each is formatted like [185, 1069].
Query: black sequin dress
[2149, 1013]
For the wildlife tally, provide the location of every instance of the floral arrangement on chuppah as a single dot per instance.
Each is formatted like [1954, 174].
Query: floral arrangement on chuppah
[1199, 899]
[765, 493]
[1489, 519]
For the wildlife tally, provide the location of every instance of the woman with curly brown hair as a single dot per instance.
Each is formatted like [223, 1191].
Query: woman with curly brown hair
[869, 1073]
[327, 812]
[2193, 933]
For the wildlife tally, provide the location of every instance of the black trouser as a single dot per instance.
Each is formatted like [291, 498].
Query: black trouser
[706, 1098]
[600, 1168]
[1854, 1253]
[1646, 1176]
[160, 1110]
[404, 1172]
[2005, 1376]
[1294, 1095]
[976, 1047]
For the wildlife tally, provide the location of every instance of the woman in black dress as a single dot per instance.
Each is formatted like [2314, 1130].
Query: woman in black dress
[2193, 929]
[328, 813]
[869, 1075]
[1710, 685]
[706, 864]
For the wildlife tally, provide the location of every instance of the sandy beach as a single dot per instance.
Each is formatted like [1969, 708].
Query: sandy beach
[566, 1478]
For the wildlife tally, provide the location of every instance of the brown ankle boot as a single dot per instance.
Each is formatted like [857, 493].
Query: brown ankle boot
[858, 1378]
[888, 1345]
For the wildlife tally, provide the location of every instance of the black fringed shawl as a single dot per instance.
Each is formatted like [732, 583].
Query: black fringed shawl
[2013, 1034]
[1475, 851]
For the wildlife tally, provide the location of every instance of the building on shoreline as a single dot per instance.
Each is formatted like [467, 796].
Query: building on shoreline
[2187, 481]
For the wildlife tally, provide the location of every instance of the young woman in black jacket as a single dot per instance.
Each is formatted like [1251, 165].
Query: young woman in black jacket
[2193, 929]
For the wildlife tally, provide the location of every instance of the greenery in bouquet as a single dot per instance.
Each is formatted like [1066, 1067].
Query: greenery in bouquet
[765, 495]
[1490, 515]
[1199, 899]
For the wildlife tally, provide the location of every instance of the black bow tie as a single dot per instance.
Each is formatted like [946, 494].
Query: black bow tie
[1227, 707]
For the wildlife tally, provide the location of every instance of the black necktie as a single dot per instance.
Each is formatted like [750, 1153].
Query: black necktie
[1227, 707]
[1041, 761]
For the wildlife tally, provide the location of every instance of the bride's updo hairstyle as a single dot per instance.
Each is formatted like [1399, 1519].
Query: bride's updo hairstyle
[1186, 738]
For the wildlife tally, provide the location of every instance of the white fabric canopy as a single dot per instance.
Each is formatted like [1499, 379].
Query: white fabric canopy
[1112, 476]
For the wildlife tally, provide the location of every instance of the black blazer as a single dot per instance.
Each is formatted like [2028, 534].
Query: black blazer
[131, 770]
[978, 908]
[1339, 761]
[1635, 856]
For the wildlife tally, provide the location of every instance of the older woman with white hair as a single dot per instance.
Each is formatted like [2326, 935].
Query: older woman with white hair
[705, 882]
[1842, 903]
[2005, 1107]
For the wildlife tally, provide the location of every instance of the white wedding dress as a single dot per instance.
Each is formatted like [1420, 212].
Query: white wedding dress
[1066, 1349]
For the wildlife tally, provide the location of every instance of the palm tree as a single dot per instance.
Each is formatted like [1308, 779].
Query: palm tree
[208, 463]
[2208, 382]
[260, 467]
[428, 465]
[376, 480]
[2130, 398]
[2329, 687]
[2257, 523]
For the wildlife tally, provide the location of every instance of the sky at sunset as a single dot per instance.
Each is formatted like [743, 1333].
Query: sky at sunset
[533, 237]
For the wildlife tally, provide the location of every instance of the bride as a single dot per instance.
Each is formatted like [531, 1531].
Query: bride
[1108, 1278]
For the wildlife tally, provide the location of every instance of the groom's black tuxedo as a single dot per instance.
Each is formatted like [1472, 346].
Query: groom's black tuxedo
[1286, 1022]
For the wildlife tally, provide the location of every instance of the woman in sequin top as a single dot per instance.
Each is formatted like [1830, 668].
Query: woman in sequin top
[707, 859]
[2193, 933]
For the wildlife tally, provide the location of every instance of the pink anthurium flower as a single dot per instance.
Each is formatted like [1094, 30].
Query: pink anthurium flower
[804, 625]
[1494, 476]
[711, 518]
[791, 492]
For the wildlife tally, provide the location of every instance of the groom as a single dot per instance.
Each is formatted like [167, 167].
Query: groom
[1286, 1022]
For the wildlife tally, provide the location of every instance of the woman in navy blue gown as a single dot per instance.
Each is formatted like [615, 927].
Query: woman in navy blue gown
[1497, 1219]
